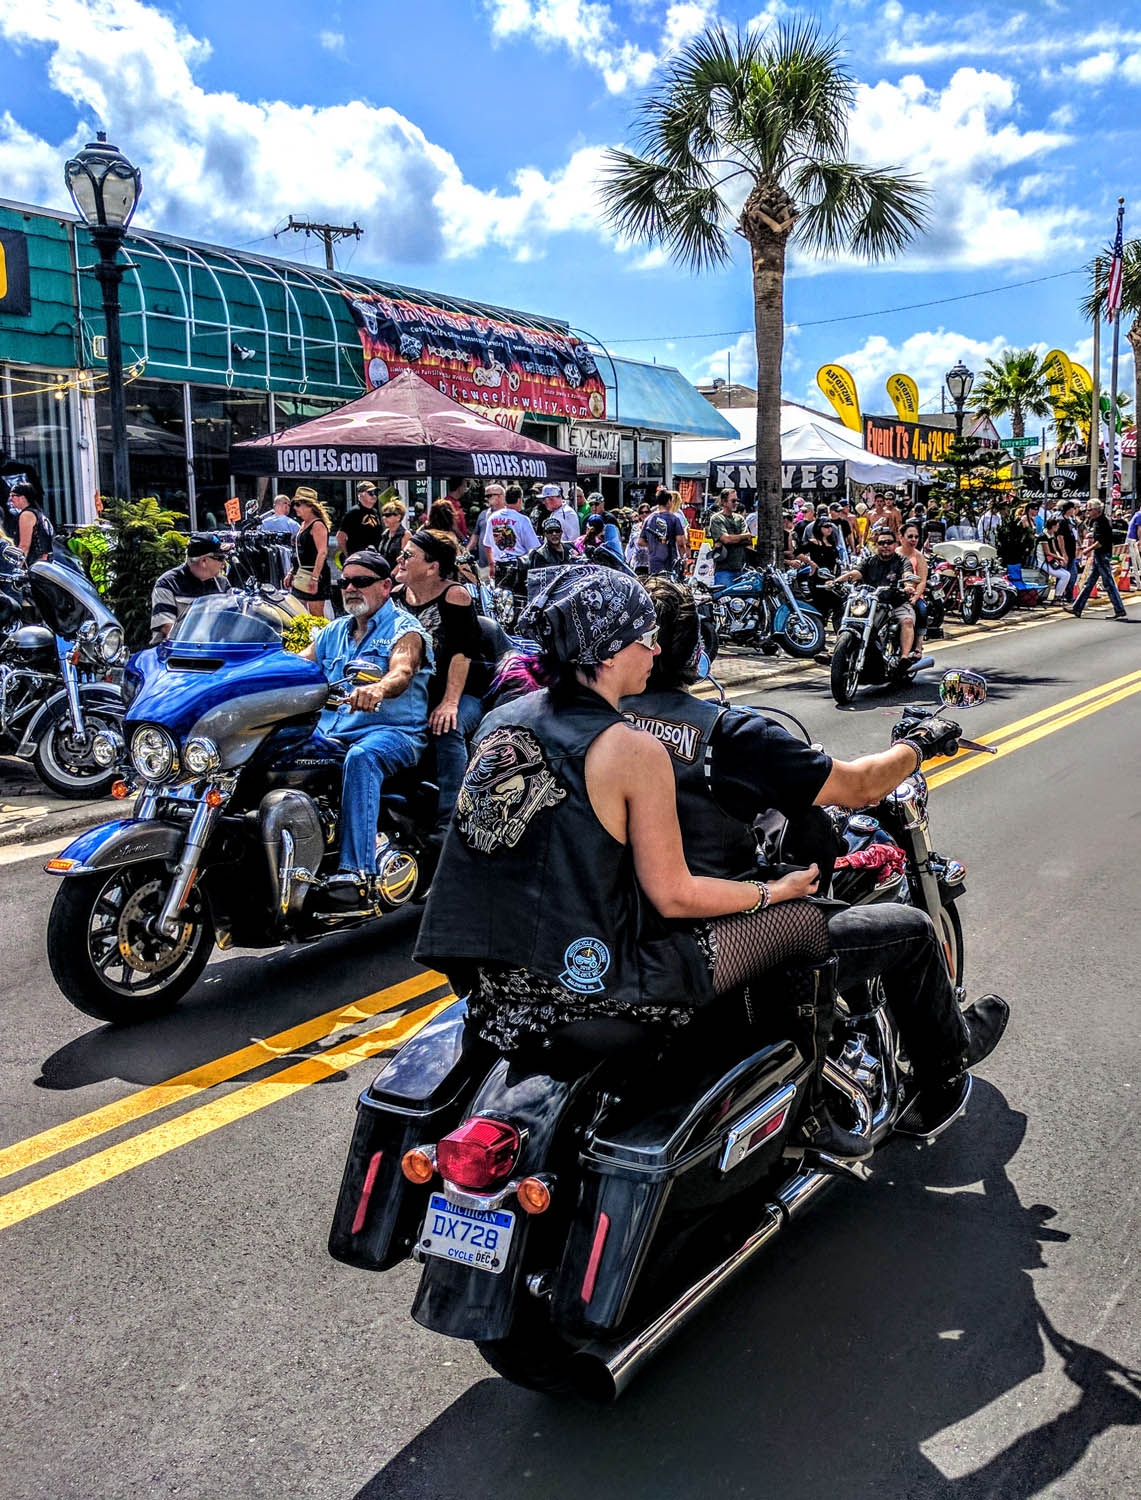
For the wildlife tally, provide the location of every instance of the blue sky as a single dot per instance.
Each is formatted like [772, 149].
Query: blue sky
[467, 139]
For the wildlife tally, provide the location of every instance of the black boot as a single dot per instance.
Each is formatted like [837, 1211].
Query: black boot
[940, 1102]
[822, 1136]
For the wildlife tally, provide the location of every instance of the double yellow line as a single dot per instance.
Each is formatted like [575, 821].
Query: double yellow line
[1036, 726]
[223, 1109]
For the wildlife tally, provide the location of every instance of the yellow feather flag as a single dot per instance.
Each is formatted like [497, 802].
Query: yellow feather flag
[838, 385]
[904, 395]
[1058, 372]
[1080, 377]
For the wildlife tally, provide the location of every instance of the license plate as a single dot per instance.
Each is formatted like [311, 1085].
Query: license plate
[473, 1237]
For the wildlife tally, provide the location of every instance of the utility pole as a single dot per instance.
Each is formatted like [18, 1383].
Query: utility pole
[329, 234]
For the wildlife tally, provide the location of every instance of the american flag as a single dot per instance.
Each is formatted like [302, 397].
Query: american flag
[1113, 290]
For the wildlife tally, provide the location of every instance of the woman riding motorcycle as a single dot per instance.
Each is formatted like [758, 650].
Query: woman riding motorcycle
[562, 887]
[732, 765]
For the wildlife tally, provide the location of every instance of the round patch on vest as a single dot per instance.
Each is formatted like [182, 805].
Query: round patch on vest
[587, 960]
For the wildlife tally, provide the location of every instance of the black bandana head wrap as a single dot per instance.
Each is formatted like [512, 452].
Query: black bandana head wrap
[368, 560]
[436, 549]
[586, 614]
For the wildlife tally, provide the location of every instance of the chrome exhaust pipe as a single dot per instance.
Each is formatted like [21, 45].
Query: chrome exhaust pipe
[602, 1370]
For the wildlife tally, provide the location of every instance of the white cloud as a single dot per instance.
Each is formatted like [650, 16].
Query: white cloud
[736, 361]
[925, 356]
[938, 38]
[1094, 69]
[962, 140]
[216, 165]
[332, 41]
[588, 31]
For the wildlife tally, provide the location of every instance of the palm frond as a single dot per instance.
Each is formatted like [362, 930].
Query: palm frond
[681, 210]
[1093, 303]
[802, 95]
[873, 211]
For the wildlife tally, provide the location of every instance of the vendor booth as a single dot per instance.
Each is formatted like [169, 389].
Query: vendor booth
[405, 429]
[818, 458]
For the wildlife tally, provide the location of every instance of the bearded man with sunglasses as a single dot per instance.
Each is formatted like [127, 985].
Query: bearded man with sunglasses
[384, 723]
[882, 565]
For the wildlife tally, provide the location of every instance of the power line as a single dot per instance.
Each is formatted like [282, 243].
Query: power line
[882, 312]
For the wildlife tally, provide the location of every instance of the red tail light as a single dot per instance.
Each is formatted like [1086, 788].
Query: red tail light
[479, 1154]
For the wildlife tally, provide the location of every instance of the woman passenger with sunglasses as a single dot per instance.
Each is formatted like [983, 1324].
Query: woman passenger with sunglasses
[428, 588]
[562, 893]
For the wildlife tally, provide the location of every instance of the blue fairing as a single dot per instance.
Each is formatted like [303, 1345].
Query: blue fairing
[215, 673]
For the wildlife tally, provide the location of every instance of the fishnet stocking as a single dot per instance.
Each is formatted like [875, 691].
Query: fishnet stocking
[747, 944]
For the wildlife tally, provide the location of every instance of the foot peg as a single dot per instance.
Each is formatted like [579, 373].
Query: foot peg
[836, 1166]
[933, 1111]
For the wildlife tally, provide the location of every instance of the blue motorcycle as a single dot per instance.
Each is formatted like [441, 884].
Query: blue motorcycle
[235, 827]
[761, 609]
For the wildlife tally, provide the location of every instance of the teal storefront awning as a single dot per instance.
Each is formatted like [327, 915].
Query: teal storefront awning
[659, 399]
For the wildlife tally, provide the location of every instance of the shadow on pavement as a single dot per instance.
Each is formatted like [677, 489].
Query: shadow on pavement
[885, 1317]
[241, 998]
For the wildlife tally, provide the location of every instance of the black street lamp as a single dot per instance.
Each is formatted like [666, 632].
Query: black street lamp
[105, 188]
[959, 382]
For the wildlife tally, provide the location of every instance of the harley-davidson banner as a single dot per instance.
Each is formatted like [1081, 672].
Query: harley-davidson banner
[495, 366]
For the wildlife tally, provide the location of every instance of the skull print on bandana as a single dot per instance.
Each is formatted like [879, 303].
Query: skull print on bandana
[506, 784]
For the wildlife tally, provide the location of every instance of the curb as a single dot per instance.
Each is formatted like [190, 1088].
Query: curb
[42, 823]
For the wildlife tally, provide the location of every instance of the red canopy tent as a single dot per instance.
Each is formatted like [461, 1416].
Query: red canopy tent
[401, 430]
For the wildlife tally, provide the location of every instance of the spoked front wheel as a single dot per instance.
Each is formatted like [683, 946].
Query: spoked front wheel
[106, 953]
[802, 636]
[845, 674]
[64, 762]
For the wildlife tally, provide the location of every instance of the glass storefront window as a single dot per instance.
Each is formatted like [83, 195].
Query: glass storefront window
[156, 442]
[36, 436]
[626, 457]
[651, 458]
[219, 418]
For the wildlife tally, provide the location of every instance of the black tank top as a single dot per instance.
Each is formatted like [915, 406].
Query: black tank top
[529, 878]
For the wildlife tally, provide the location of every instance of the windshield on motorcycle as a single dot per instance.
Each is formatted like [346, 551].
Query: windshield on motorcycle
[229, 619]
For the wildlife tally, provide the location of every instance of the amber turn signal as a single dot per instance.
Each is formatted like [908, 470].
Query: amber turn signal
[120, 789]
[214, 797]
[534, 1195]
[417, 1165]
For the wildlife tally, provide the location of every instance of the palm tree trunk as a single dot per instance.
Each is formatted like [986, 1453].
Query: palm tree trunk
[766, 222]
[1017, 421]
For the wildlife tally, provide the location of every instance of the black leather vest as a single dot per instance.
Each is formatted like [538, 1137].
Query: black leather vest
[529, 878]
[715, 844]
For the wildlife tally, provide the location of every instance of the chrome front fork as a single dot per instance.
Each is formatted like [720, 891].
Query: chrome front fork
[201, 826]
[71, 688]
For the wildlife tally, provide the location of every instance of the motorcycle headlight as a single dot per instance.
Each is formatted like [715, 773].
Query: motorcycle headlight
[111, 645]
[200, 756]
[858, 608]
[153, 754]
[106, 748]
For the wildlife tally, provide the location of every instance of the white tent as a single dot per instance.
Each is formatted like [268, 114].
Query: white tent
[818, 442]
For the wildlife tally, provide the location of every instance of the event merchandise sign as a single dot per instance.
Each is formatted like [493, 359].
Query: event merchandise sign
[907, 442]
[596, 448]
[495, 366]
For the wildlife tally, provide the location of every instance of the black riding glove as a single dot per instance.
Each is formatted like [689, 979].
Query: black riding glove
[931, 737]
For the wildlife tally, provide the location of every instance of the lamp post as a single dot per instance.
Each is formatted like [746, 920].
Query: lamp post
[959, 382]
[105, 188]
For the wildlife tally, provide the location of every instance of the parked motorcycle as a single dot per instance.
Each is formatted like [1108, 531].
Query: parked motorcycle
[867, 649]
[999, 594]
[958, 566]
[234, 831]
[60, 650]
[571, 1208]
[761, 608]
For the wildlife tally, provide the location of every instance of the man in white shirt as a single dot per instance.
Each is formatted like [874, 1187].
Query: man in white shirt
[510, 533]
[558, 510]
[279, 519]
[495, 495]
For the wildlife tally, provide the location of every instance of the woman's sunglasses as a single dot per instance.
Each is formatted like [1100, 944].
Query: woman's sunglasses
[650, 639]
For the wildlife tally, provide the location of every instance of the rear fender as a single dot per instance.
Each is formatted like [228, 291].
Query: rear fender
[468, 1303]
[127, 841]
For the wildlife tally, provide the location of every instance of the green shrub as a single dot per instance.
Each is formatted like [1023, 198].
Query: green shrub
[145, 540]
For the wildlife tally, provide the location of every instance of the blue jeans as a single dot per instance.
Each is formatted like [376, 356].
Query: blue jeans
[722, 577]
[1102, 573]
[451, 755]
[1074, 571]
[375, 754]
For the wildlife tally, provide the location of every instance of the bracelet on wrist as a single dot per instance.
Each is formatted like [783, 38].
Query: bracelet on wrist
[763, 898]
[911, 745]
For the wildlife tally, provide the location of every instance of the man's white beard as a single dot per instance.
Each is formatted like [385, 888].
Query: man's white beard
[359, 609]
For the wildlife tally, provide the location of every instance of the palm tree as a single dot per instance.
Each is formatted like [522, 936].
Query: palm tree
[1093, 304]
[1072, 417]
[760, 121]
[1013, 385]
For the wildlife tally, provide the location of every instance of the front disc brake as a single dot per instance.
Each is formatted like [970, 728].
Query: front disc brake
[140, 945]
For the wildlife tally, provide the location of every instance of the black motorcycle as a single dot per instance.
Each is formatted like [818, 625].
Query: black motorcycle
[235, 827]
[867, 648]
[573, 1205]
[60, 654]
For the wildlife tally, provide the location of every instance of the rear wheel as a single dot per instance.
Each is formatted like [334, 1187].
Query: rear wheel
[802, 636]
[105, 954]
[533, 1355]
[845, 674]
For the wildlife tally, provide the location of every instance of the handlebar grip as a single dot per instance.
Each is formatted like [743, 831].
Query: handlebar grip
[974, 745]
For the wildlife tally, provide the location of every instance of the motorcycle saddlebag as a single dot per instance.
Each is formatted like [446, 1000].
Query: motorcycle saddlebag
[419, 1095]
[658, 1164]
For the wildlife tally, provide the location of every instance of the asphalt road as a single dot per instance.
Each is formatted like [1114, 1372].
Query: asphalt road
[962, 1327]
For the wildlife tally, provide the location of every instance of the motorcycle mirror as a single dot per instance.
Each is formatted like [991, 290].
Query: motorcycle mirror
[360, 671]
[704, 666]
[962, 689]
